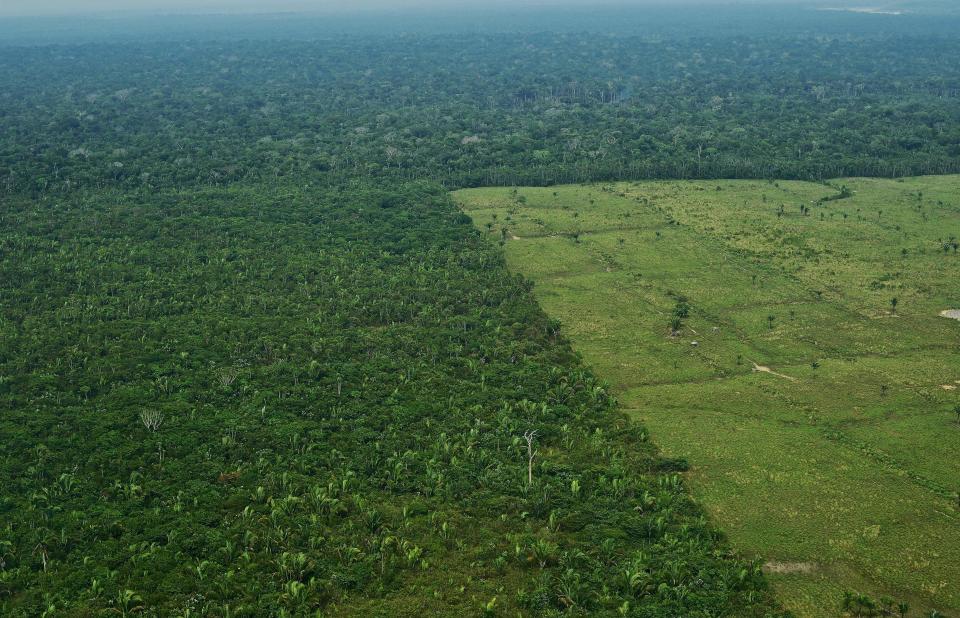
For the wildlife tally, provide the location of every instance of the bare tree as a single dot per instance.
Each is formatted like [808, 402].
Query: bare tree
[151, 419]
[530, 436]
[44, 553]
[227, 375]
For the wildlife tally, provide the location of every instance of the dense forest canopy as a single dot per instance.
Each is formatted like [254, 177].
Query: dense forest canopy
[254, 361]
[485, 108]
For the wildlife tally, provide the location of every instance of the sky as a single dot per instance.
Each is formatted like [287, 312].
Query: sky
[70, 7]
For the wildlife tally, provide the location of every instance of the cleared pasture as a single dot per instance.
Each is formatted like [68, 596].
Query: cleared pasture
[839, 465]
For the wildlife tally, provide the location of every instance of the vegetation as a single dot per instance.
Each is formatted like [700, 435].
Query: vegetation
[816, 420]
[255, 361]
[256, 402]
[481, 109]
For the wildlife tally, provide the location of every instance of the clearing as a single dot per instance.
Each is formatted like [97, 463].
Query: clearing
[848, 460]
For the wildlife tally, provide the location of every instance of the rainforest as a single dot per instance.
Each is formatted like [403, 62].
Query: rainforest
[640, 310]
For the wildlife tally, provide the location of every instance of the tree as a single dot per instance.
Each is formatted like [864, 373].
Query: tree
[151, 419]
[530, 436]
[128, 602]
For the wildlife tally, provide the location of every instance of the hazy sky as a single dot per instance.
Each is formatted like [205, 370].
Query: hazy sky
[63, 7]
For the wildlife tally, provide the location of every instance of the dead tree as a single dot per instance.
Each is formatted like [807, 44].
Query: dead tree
[530, 436]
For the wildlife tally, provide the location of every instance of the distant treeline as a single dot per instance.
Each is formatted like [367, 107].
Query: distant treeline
[478, 110]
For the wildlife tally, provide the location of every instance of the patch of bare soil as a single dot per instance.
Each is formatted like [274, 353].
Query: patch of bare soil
[953, 314]
[788, 568]
[762, 369]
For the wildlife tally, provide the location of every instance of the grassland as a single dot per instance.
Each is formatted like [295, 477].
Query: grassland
[839, 466]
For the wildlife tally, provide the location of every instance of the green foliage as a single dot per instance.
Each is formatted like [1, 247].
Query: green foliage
[278, 400]
[254, 361]
[481, 109]
[858, 605]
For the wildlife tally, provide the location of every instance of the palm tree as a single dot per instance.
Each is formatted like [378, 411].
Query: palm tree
[128, 602]
[544, 552]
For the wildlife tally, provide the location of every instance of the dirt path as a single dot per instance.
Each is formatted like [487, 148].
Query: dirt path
[762, 369]
[789, 567]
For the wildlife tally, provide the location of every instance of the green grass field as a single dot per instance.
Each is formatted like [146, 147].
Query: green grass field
[838, 467]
